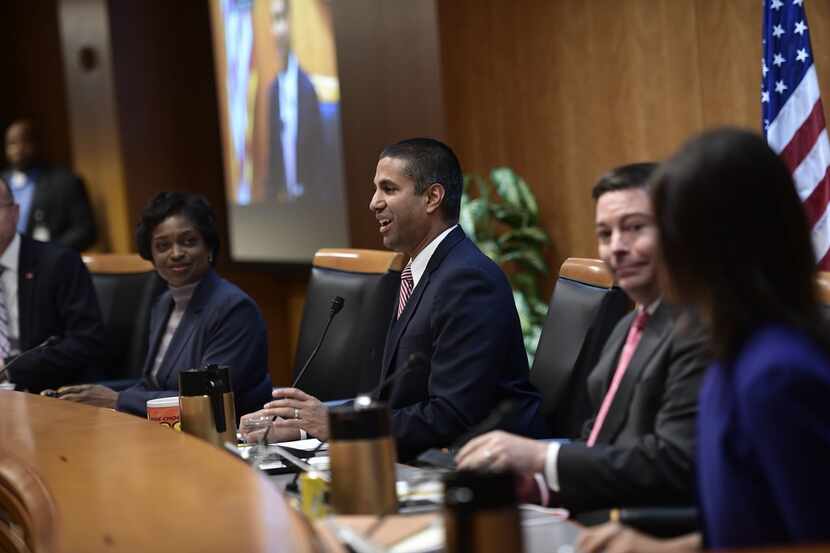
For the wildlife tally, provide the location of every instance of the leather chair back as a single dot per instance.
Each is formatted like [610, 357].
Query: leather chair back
[583, 310]
[349, 360]
[126, 286]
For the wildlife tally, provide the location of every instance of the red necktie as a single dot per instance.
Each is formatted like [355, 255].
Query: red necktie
[406, 288]
[634, 335]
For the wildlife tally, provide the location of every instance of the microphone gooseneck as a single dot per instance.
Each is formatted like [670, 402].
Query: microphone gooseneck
[47, 343]
[336, 306]
[337, 303]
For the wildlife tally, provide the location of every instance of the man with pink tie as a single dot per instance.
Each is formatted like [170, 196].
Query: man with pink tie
[638, 449]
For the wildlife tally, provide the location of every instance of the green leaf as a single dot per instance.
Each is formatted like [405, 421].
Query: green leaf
[525, 315]
[507, 186]
[527, 258]
[532, 342]
[490, 248]
[510, 216]
[540, 309]
[477, 214]
[528, 200]
[532, 235]
[526, 283]
[467, 219]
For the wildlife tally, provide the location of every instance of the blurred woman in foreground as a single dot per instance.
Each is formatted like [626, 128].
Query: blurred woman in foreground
[201, 319]
[736, 245]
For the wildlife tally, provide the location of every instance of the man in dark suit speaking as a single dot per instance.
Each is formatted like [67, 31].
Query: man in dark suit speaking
[639, 447]
[45, 291]
[455, 308]
[295, 127]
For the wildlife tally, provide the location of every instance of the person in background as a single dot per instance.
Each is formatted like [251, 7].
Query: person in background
[455, 309]
[295, 126]
[202, 319]
[53, 202]
[639, 447]
[735, 243]
[47, 300]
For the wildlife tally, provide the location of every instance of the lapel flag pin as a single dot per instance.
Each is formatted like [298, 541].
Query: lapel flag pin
[29, 276]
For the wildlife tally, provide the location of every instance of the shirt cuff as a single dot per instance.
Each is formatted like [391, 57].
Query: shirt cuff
[551, 473]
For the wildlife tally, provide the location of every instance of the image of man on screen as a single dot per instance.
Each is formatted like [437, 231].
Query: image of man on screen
[295, 128]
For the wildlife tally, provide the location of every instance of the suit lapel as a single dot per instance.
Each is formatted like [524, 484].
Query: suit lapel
[398, 327]
[188, 324]
[657, 330]
[26, 273]
[160, 314]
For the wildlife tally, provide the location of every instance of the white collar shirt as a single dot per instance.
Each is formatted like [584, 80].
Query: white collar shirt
[419, 263]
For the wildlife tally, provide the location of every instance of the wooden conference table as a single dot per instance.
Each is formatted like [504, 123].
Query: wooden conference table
[119, 483]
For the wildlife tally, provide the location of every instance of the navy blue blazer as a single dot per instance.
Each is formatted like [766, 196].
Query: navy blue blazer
[764, 443]
[221, 325]
[462, 318]
[56, 298]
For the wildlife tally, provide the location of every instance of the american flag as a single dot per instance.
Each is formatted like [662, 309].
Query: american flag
[793, 113]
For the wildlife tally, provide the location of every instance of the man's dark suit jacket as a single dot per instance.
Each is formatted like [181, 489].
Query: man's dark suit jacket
[309, 158]
[645, 450]
[56, 298]
[222, 326]
[462, 318]
[61, 204]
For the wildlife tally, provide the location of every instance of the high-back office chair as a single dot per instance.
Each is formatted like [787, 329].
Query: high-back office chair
[28, 520]
[126, 286]
[349, 360]
[584, 308]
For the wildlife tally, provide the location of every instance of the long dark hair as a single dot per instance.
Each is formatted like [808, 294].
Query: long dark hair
[734, 237]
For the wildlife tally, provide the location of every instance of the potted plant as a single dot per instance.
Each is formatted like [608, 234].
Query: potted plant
[501, 216]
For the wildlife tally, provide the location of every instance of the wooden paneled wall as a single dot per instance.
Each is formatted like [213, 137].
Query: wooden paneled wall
[389, 61]
[93, 114]
[32, 83]
[564, 90]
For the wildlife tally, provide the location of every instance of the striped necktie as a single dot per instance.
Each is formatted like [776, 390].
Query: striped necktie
[406, 288]
[4, 319]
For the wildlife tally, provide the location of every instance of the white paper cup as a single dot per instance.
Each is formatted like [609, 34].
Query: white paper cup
[165, 411]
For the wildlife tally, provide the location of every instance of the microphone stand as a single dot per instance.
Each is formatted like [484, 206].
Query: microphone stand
[336, 306]
[47, 343]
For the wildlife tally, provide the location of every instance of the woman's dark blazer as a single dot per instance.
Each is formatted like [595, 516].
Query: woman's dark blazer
[221, 325]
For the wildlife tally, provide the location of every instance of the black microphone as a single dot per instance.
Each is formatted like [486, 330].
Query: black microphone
[47, 343]
[336, 306]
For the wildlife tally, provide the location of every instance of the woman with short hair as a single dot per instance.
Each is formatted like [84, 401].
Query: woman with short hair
[202, 319]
